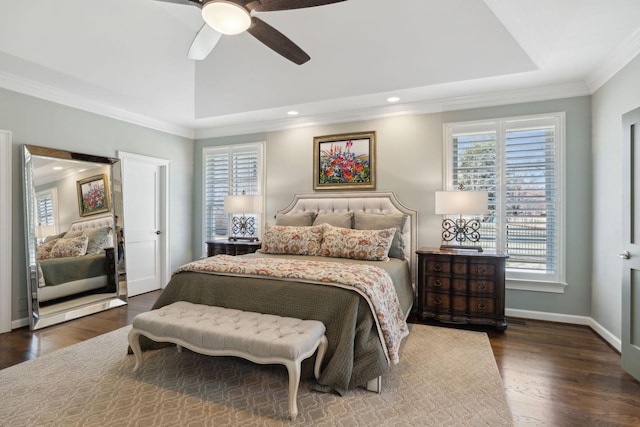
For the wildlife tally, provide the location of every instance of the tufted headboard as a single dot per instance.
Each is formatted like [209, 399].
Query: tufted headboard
[374, 202]
[98, 221]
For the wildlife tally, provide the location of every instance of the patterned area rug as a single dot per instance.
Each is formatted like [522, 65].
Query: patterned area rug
[446, 377]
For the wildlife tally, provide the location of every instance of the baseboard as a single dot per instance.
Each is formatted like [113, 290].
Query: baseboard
[605, 334]
[16, 324]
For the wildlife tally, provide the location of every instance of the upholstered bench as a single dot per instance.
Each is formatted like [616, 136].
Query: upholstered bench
[218, 331]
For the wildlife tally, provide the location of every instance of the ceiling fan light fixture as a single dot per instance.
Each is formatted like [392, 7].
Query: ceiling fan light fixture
[226, 17]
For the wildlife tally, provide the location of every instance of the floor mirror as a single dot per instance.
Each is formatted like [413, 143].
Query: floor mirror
[74, 232]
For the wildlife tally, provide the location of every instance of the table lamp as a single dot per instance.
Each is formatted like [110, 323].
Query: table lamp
[460, 203]
[243, 227]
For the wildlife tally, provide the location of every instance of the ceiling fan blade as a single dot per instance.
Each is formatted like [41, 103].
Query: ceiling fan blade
[273, 5]
[277, 41]
[187, 2]
[204, 42]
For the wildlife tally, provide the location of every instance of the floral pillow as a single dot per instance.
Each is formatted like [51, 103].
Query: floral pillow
[76, 246]
[281, 239]
[371, 245]
[43, 251]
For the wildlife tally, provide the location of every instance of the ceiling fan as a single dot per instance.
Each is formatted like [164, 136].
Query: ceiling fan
[236, 16]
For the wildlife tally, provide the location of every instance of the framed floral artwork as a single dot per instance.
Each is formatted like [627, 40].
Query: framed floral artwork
[93, 195]
[344, 162]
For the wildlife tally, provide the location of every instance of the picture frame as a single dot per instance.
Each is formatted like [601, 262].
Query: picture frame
[345, 161]
[93, 195]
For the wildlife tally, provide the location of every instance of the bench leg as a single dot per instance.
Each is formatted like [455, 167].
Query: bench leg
[134, 343]
[293, 366]
[322, 350]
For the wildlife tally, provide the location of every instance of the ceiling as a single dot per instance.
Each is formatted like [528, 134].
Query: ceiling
[128, 59]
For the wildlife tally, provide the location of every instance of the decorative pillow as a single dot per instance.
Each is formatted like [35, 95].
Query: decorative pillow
[296, 220]
[75, 246]
[342, 219]
[43, 251]
[368, 221]
[72, 234]
[53, 237]
[97, 238]
[280, 239]
[371, 245]
[41, 282]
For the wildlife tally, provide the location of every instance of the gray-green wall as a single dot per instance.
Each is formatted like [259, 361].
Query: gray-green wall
[619, 95]
[37, 122]
[409, 163]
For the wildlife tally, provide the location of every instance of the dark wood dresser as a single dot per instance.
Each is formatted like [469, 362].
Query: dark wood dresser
[231, 247]
[461, 287]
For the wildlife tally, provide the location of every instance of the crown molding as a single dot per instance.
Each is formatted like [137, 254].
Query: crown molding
[616, 60]
[49, 93]
[488, 99]
[248, 123]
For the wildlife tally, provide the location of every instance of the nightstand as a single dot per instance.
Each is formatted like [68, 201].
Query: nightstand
[232, 247]
[461, 287]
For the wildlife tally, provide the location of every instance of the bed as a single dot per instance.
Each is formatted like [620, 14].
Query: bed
[78, 260]
[359, 351]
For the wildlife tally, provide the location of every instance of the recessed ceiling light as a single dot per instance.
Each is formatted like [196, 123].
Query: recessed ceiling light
[57, 168]
[393, 99]
[292, 113]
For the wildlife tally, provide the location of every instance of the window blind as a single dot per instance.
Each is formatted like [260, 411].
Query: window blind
[228, 170]
[517, 161]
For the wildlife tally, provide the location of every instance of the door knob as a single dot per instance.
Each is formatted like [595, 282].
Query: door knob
[624, 255]
[158, 232]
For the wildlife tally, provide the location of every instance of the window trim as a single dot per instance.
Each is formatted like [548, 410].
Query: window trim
[229, 148]
[518, 280]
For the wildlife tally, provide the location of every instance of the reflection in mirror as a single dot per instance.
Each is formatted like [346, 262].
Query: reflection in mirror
[75, 257]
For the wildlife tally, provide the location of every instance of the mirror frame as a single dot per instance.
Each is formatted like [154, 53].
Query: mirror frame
[38, 319]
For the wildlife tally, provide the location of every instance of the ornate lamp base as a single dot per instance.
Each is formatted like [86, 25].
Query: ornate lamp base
[243, 228]
[461, 230]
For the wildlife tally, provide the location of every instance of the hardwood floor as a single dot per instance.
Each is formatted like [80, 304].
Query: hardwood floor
[554, 374]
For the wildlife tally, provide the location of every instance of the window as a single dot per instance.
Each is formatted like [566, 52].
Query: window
[228, 170]
[46, 208]
[519, 162]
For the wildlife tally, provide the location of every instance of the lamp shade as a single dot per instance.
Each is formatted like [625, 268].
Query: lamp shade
[461, 202]
[226, 17]
[243, 204]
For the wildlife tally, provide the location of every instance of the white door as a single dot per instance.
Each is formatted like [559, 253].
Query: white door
[631, 256]
[144, 193]
[5, 231]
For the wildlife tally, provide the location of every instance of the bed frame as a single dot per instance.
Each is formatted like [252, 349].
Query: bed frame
[369, 202]
[373, 202]
[83, 285]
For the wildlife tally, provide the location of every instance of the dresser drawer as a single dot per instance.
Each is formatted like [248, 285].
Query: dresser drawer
[438, 302]
[438, 266]
[481, 306]
[437, 283]
[482, 286]
[482, 269]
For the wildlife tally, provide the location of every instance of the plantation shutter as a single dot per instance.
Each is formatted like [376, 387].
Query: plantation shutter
[475, 167]
[216, 186]
[228, 170]
[45, 208]
[517, 162]
[531, 197]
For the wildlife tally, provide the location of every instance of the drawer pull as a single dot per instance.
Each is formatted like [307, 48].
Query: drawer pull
[482, 270]
[482, 286]
[437, 282]
[437, 267]
[437, 301]
[482, 306]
